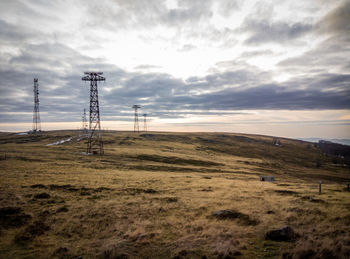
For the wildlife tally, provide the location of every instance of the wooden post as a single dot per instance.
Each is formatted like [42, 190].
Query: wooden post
[320, 187]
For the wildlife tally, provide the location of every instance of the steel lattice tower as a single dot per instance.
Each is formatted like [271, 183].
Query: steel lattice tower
[94, 138]
[36, 114]
[136, 118]
[144, 122]
[84, 122]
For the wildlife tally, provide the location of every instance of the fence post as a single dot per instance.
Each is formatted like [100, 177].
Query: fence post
[320, 187]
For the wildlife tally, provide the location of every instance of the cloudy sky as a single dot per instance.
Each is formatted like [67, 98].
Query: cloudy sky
[267, 67]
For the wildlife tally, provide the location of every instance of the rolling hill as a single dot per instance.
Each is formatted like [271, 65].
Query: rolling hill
[158, 194]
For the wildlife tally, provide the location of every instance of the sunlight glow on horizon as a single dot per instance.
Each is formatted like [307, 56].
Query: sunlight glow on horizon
[293, 124]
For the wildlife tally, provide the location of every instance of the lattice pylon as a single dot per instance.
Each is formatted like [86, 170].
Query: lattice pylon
[84, 126]
[136, 118]
[95, 144]
[145, 122]
[36, 114]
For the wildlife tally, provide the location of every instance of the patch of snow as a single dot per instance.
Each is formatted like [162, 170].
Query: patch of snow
[85, 153]
[22, 133]
[81, 138]
[59, 142]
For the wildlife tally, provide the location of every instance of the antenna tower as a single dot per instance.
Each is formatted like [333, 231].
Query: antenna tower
[145, 122]
[95, 143]
[84, 123]
[136, 119]
[36, 114]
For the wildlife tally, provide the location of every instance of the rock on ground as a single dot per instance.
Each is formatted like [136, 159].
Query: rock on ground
[285, 233]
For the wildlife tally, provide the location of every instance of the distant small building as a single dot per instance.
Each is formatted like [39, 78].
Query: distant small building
[267, 178]
[276, 142]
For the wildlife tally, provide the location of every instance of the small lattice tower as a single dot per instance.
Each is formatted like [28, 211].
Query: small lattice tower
[145, 122]
[84, 126]
[136, 118]
[36, 115]
[95, 144]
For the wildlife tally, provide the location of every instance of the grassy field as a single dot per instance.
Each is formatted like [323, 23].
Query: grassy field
[153, 195]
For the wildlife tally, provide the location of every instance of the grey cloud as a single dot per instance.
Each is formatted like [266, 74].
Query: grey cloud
[276, 97]
[146, 67]
[333, 53]
[239, 78]
[332, 81]
[187, 47]
[151, 85]
[161, 92]
[13, 34]
[263, 10]
[189, 11]
[230, 86]
[49, 56]
[227, 7]
[190, 19]
[325, 91]
[337, 21]
[263, 31]
[124, 14]
[256, 53]
[59, 69]
[240, 86]
[224, 38]
[262, 28]
[239, 73]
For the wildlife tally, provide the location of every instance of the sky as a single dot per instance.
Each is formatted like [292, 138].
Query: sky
[277, 68]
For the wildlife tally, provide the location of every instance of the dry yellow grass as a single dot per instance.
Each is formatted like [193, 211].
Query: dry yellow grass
[153, 195]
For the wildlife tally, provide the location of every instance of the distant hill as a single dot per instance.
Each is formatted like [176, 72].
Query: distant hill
[338, 141]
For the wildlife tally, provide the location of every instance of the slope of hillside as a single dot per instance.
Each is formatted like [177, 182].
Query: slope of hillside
[153, 195]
